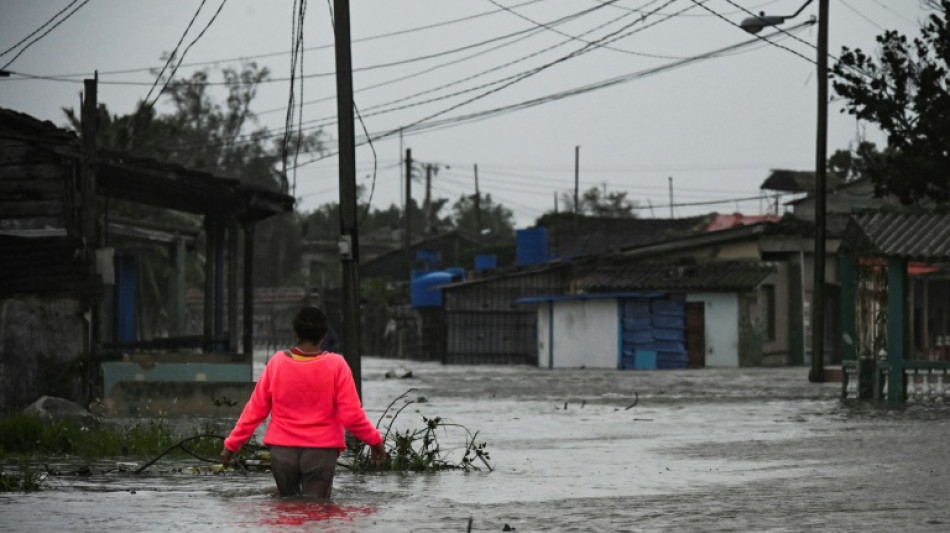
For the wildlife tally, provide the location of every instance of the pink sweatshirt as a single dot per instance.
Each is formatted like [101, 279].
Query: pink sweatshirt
[310, 402]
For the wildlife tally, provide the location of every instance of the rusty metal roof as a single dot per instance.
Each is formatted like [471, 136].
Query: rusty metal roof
[717, 276]
[918, 235]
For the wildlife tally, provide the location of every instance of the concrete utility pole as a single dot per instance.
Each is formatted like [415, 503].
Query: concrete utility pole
[349, 231]
[817, 372]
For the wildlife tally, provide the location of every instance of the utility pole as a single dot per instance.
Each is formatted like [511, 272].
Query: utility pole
[671, 195]
[478, 208]
[817, 372]
[407, 219]
[577, 185]
[349, 231]
[90, 217]
[427, 203]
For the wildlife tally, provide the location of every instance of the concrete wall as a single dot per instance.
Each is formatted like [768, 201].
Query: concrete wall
[585, 333]
[41, 346]
[164, 399]
[722, 327]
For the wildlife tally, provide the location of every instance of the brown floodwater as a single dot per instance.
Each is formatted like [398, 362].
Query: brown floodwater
[573, 450]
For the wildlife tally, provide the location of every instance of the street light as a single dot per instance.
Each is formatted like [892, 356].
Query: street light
[755, 24]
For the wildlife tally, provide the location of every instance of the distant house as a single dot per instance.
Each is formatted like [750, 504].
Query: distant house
[70, 269]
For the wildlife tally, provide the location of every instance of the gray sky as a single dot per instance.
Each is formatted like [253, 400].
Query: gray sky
[715, 126]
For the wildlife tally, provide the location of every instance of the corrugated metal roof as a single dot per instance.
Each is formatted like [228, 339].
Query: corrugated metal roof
[589, 296]
[722, 276]
[921, 235]
[797, 181]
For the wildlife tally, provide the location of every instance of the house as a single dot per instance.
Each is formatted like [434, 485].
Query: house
[71, 270]
[896, 305]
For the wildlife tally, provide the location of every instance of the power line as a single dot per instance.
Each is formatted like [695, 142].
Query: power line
[862, 15]
[174, 52]
[329, 121]
[44, 34]
[311, 49]
[576, 38]
[37, 30]
[424, 125]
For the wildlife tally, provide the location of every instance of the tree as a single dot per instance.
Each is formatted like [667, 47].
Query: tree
[905, 92]
[858, 163]
[487, 218]
[601, 203]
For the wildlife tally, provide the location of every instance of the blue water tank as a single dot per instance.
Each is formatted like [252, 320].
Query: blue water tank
[426, 291]
[485, 262]
[429, 258]
[532, 246]
[458, 273]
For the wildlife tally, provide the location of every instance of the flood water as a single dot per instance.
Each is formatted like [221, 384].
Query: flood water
[702, 450]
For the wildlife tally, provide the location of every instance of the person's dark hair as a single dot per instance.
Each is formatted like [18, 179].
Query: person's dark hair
[310, 324]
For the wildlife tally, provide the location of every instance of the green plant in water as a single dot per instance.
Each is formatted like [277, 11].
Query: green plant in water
[419, 450]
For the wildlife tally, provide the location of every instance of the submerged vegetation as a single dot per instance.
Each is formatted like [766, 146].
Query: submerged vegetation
[419, 449]
[27, 441]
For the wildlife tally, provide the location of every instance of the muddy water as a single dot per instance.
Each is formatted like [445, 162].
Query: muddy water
[709, 450]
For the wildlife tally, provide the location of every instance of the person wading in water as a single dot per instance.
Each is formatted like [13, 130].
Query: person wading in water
[311, 398]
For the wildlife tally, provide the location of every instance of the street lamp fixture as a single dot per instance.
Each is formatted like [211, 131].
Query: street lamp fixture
[755, 24]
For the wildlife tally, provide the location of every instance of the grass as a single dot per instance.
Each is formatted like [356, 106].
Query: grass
[24, 436]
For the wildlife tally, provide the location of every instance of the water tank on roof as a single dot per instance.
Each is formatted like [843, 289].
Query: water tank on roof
[485, 262]
[426, 291]
[458, 273]
[532, 246]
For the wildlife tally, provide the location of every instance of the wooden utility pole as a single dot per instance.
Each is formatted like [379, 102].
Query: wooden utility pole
[89, 220]
[577, 185]
[427, 203]
[349, 231]
[817, 372]
[407, 218]
[671, 195]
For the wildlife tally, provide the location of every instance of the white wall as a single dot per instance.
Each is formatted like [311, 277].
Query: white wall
[585, 333]
[722, 327]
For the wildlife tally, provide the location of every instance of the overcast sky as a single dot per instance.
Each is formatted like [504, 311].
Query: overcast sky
[534, 72]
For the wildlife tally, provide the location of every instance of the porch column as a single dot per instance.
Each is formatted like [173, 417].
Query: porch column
[896, 323]
[208, 325]
[233, 286]
[847, 273]
[249, 293]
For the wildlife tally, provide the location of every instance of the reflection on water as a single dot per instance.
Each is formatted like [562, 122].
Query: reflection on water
[283, 512]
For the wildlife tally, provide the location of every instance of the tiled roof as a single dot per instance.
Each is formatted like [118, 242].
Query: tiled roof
[724, 276]
[920, 235]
